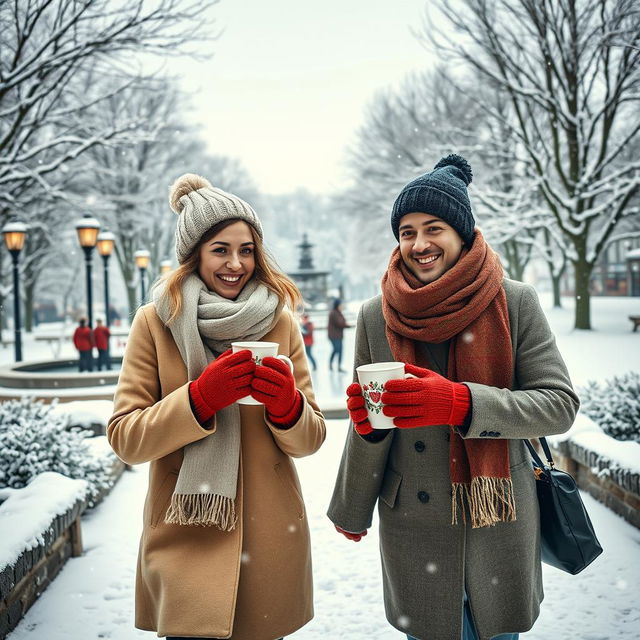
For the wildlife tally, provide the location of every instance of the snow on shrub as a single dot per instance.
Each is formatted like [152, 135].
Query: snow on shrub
[614, 405]
[34, 439]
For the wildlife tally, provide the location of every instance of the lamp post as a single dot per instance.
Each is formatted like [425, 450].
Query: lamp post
[87, 229]
[142, 258]
[15, 234]
[105, 242]
[165, 267]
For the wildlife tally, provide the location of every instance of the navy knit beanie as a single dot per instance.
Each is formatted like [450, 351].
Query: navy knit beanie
[442, 193]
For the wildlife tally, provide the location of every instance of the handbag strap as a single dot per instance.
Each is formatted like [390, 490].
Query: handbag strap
[545, 448]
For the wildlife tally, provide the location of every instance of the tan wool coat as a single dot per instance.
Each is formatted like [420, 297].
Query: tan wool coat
[252, 583]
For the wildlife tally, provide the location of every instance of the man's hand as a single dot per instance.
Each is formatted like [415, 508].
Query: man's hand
[356, 537]
[426, 400]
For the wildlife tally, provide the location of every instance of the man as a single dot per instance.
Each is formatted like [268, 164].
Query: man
[101, 335]
[83, 342]
[459, 520]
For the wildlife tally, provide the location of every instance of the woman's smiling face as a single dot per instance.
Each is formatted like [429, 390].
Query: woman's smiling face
[227, 260]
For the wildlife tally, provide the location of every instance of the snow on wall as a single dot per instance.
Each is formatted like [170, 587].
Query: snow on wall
[27, 512]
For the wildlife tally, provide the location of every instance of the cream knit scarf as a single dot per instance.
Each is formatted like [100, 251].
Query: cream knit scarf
[206, 487]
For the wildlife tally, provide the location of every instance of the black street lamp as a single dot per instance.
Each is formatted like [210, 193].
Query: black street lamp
[15, 234]
[106, 240]
[142, 259]
[87, 229]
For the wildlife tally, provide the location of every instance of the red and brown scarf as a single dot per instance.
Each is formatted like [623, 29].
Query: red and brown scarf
[468, 306]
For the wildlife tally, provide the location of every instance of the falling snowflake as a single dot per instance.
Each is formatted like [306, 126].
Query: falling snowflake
[403, 621]
[467, 337]
[432, 567]
[205, 487]
[244, 558]
[621, 584]
[292, 528]
[494, 581]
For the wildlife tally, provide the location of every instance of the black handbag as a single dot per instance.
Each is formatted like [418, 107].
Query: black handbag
[567, 538]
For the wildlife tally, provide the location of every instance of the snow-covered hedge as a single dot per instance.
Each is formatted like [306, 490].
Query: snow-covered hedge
[615, 405]
[34, 440]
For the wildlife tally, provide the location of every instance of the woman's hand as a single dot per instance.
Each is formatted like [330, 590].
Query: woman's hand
[356, 537]
[274, 385]
[357, 411]
[225, 380]
[426, 400]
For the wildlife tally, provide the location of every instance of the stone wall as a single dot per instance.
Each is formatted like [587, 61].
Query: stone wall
[618, 489]
[22, 583]
[35, 569]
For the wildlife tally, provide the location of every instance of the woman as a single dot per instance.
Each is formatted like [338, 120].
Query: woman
[225, 543]
[336, 326]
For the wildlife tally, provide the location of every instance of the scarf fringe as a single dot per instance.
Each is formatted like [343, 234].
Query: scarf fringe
[202, 509]
[490, 500]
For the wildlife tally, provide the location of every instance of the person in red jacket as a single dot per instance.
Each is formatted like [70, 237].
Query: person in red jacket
[83, 342]
[101, 335]
[307, 336]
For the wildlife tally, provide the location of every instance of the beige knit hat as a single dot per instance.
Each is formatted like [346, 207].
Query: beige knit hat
[199, 207]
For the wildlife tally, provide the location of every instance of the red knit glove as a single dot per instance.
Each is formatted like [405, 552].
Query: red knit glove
[424, 401]
[356, 537]
[275, 386]
[357, 410]
[225, 380]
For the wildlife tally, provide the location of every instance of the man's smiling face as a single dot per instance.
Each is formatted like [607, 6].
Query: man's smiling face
[429, 246]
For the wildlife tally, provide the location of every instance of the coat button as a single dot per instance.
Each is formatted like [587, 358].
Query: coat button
[423, 496]
[483, 434]
[419, 445]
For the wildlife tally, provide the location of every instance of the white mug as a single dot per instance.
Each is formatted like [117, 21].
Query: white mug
[372, 378]
[259, 350]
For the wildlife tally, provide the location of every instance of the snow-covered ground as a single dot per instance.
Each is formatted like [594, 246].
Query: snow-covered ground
[93, 596]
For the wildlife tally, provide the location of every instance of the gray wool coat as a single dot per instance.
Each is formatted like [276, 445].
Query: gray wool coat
[427, 563]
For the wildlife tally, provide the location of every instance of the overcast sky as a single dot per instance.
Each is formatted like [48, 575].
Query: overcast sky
[290, 79]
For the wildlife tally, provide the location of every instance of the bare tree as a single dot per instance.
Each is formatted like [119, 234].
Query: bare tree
[575, 97]
[45, 45]
[406, 131]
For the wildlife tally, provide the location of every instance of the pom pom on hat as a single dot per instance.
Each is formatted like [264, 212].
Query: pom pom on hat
[182, 186]
[454, 160]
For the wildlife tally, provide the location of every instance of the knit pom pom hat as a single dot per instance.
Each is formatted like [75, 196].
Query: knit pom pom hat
[199, 207]
[442, 193]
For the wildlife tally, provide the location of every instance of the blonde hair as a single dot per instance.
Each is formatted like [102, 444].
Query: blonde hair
[266, 272]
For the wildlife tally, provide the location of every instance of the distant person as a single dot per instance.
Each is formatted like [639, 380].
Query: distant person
[83, 342]
[114, 316]
[307, 336]
[337, 325]
[101, 335]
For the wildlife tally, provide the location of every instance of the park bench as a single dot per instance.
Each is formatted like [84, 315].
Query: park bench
[636, 321]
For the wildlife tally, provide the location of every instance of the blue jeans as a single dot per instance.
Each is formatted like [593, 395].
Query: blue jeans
[312, 360]
[336, 343]
[469, 631]
[86, 360]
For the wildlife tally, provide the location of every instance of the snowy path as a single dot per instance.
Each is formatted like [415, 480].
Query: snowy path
[93, 596]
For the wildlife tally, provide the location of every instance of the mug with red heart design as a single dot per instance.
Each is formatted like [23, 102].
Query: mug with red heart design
[372, 378]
